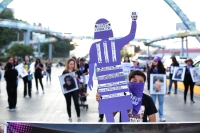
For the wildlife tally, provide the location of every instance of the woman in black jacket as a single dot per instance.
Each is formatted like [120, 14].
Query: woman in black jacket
[188, 82]
[174, 64]
[71, 67]
[157, 68]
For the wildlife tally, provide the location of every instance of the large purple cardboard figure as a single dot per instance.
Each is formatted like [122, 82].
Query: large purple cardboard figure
[115, 95]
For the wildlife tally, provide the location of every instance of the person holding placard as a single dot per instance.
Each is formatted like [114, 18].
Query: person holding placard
[174, 64]
[157, 68]
[27, 79]
[188, 82]
[71, 67]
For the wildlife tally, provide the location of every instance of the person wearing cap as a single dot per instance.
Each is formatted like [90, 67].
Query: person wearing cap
[157, 68]
[174, 64]
[188, 82]
[135, 65]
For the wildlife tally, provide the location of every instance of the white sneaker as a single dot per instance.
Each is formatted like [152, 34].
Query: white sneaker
[7, 106]
[37, 92]
[162, 120]
[11, 110]
[79, 119]
[43, 92]
[70, 120]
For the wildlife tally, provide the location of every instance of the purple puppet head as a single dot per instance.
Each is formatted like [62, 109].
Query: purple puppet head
[102, 29]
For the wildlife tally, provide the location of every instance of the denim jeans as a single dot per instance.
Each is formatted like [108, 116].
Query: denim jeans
[175, 85]
[160, 102]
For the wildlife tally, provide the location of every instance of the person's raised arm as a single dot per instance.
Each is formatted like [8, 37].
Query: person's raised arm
[131, 35]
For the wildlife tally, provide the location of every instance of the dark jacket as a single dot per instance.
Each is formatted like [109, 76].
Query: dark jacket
[188, 77]
[86, 67]
[176, 64]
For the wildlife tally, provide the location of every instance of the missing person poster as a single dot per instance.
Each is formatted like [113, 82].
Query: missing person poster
[179, 73]
[68, 82]
[158, 84]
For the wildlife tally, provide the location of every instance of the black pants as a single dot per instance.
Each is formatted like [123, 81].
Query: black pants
[186, 85]
[49, 75]
[36, 82]
[11, 88]
[26, 81]
[75, 96]
[101, 116]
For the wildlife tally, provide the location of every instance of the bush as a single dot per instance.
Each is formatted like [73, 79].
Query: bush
[20, 50]
[3, 59]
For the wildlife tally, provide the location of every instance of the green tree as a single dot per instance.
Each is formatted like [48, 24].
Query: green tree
[6, 34]
[60, 48]
[20, 50]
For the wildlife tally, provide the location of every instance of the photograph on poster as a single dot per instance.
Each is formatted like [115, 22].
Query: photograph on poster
[126, 69]
[195, 73]
[179, 73]
[68, 82]
[171, 69]
[158, 84]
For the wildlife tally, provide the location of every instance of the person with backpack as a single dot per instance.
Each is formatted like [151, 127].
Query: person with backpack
[27, 79]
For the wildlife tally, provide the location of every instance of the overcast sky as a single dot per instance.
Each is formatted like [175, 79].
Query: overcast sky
[78, 17]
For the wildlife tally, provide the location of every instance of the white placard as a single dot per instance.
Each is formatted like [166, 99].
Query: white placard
[195, 74]
[158, 84]
[179, 73]
[32, 68]
[68, 82]
[126, 67]
[171, 69]
[21, 70]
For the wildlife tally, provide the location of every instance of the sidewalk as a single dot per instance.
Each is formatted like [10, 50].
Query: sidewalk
[51, 106]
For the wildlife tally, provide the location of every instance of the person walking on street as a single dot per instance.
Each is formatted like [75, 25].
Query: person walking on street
[174, 64]
[48, 65]
[11, 86]
[157, 68]
[38, 74]
[71, 67]
[188, 82]
[27, 79]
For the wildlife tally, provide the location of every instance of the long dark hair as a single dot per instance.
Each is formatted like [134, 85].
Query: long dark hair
[160, 66]
[38, 61]
[125, 58]
[174, 60]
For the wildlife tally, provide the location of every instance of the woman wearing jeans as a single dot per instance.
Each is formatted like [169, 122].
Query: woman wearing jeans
[38, 74]
[157, 68]
[71, 67]
[48, 65]
[174, 64]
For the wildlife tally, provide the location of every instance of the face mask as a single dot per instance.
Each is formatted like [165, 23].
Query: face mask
[136, 90]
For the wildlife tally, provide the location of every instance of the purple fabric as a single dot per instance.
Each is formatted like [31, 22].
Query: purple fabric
[136, 90]
[157, 58]
[106, 53]
[155, 70]
[136, 67]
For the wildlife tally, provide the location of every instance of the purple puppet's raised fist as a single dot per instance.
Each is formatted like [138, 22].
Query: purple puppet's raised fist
[134, 16]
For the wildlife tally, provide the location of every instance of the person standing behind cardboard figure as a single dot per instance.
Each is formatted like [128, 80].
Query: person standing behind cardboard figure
[106, 55]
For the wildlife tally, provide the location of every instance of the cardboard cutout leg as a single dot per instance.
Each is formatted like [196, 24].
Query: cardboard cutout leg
[124, 116]
[109, 117]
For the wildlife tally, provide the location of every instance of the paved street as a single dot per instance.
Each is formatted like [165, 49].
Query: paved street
[51, 106]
